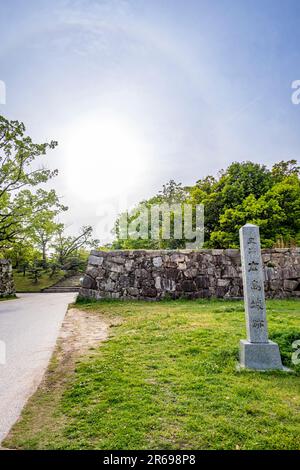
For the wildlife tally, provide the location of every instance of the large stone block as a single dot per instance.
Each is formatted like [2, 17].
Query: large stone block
[117, 268]
[191, 272]
[260, 356]
[88, 282]
[223, 282]
[188, 286]
[149, 292]
[290, 284]
[157, 261]
[95, 260]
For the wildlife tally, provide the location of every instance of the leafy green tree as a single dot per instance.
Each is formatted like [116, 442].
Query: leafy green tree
[240, 180]
[243, 193]
[20, 196]
[53, 267]
[21, 254]
[35, 273]
[283, 169]
[250, 193]
[67, 246]
[43, 228]
[171, 193]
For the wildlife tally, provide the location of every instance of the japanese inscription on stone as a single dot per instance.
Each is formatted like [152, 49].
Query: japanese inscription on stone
[253, 282]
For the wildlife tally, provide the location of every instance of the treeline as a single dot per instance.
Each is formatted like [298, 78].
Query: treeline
[243, 193]
[30, 232]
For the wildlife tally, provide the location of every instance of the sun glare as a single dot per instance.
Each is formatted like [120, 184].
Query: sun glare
[104, 157]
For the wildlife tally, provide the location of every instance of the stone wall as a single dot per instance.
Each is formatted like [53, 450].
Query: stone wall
[154, 275]
[7, 286]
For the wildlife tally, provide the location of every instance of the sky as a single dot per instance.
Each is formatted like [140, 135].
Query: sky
[138, 92]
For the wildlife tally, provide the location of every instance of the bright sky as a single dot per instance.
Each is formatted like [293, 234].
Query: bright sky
[141, 91]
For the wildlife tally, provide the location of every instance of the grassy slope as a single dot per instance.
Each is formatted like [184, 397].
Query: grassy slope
[166, 379]
[25, 284]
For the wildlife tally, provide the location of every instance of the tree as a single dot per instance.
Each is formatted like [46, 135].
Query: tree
[171, 193]
[242, 179]
[42, 230]
[35, 273]
[20, 197]
[248, 192]
[53, 267]
[66, 246]
[283, 169]
[21, 254]
[245, 192]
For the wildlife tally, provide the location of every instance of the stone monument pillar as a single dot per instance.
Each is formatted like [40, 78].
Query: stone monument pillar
[257, 352]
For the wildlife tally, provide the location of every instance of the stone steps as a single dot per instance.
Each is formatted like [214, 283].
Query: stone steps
[73, 281]
[60, 289]
[70, 284]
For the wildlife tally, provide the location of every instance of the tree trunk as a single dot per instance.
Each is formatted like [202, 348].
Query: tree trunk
[44, 254]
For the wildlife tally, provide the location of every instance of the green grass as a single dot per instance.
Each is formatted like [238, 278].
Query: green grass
[7, 297]
[167, 379]
[25, 284]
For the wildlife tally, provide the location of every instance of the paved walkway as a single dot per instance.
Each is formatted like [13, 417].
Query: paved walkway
[29, 327]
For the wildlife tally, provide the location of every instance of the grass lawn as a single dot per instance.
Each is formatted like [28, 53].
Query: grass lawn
[7, 297]
[25, 284]
[167, 379]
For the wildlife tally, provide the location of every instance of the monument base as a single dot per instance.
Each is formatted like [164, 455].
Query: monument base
[260, 356]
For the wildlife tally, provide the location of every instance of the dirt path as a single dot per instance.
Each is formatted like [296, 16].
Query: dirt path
[80, 331]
